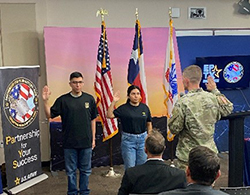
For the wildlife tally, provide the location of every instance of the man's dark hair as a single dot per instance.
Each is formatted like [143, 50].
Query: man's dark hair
[204, 165]
[155, 143]
[75, 75]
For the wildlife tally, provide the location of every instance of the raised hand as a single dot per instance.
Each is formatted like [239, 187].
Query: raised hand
[116, 96]
[46, 93]
[211, 85]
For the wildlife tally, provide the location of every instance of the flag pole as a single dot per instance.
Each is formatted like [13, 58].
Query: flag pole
[111, 172]
[171, 142]
[170, 13]
[102, 13]
[136, 14]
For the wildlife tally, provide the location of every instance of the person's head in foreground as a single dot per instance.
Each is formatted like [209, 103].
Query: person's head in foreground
[154, 144]
[203, 166]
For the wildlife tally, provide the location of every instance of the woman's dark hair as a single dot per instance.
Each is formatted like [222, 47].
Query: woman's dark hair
[130, 88]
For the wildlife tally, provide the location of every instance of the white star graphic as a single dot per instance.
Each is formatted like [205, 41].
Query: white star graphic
[134, 55]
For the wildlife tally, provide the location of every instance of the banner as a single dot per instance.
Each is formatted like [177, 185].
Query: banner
[20, 123]
[69, 48]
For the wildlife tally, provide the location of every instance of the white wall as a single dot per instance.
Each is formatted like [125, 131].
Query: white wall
[82, 13]
[152, 13]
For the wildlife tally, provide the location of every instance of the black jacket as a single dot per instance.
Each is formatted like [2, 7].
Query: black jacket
[195, 189]
[152, 177]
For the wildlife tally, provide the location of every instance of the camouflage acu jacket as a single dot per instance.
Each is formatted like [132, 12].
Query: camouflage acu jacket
[194, 117]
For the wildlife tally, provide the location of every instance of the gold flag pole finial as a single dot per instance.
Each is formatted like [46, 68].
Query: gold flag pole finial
[170, 12]
[102, 12]
[136, 14]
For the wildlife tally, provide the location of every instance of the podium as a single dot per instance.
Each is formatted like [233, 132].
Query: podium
[236, 147]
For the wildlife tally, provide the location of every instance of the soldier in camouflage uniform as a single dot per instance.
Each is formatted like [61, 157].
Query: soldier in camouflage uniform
[195, 114]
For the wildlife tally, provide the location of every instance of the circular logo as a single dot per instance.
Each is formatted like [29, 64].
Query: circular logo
[233, 72]
[20, 102]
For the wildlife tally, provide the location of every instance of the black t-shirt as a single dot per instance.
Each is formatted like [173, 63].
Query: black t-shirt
[133, 118]
[76, 114]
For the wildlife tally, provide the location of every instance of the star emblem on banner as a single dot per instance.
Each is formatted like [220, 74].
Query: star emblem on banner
[17, 180]
[217, 71]
[134, 56]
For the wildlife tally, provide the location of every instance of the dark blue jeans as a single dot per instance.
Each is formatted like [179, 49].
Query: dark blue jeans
[78, 159]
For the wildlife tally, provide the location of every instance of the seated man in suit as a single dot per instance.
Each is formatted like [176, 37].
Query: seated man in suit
[203, 169]
[154, 176]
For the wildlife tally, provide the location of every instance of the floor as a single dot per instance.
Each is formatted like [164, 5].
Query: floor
[100, 184]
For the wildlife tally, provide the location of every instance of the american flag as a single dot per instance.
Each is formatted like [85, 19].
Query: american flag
[136, 72]
[170, 78]
[21, 110]
[104, 86]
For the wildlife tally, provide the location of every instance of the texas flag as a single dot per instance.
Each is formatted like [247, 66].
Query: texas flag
[136, 72]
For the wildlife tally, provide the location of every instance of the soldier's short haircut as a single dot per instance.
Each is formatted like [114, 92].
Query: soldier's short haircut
[204, 165]
[193, 73]
[75, 75]
[155, 143]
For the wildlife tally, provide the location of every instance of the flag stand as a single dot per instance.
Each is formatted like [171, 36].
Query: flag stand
[103, 67]
[170, 83]
[171, 154]
[111, 172]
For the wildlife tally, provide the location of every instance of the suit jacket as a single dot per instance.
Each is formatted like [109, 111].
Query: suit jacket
[152, 177]
[195, 189]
